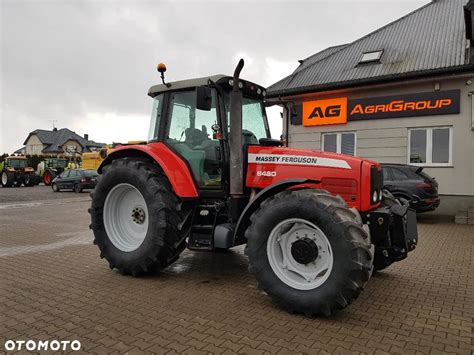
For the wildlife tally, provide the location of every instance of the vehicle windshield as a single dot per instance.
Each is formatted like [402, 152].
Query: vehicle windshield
[17, 163]
[90, 173]
[254, 119]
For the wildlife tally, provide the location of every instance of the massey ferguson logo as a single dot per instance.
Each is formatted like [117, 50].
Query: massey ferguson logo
[324, 112]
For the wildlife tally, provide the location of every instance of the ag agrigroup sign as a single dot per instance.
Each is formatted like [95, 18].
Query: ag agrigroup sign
[340, 110]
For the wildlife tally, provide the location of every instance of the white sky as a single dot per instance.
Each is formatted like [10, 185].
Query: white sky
[88, 64]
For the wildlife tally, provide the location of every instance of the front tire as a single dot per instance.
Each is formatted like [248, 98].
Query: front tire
[55, 187]
[77, 188]
[29, 179]
[139, 224]
[309, 251]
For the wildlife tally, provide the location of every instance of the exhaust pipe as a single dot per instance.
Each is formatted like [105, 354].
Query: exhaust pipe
[236, 152]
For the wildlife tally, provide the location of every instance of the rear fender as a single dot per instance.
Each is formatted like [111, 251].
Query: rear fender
[252, 206]
[173, 166]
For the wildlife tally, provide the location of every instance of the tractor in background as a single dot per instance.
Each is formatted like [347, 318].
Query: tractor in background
[315, 224]
[49, 168]
[15, 172]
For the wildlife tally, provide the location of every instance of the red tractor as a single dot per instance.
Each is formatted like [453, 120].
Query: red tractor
[315, 224]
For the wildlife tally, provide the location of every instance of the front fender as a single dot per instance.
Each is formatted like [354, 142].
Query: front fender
[173, 166]
[252, 206]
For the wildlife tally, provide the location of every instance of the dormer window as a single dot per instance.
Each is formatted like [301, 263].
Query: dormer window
[371, 57]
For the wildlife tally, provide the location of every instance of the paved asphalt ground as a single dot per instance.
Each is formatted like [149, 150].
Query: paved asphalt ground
[55, 286]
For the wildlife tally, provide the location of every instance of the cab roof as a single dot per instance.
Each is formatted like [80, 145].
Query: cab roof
[19, 157]
[192, 83]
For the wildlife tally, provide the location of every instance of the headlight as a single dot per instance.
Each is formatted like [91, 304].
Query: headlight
[380, 194]
[374, 196]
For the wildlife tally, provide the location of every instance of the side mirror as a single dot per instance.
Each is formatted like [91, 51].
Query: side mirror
[203, 98]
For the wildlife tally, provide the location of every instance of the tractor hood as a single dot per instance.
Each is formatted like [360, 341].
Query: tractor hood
[341, 174]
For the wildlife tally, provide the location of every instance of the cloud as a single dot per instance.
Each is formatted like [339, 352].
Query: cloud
[81, 61]
[112, 127]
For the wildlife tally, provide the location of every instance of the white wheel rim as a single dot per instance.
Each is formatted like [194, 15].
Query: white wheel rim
[125, 217]
[4, 178]
[294, 274]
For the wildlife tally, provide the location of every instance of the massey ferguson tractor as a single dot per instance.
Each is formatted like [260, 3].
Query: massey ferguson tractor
[315, 224]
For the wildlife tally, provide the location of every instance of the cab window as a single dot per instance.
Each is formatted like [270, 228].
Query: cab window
[254, 120]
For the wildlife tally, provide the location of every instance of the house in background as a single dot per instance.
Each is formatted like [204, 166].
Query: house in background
[21, 151]
[401, 94]
[58, 142]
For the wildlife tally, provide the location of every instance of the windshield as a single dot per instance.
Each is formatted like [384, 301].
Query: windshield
[17, 163]
[254, 119]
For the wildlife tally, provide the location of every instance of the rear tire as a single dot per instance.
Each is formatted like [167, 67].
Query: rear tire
[154, 234]
[48, 177]
[324, 284]
[7, 178]
[77, 188]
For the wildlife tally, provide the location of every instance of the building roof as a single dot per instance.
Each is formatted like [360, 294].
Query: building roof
[55, 139]
[427, 41]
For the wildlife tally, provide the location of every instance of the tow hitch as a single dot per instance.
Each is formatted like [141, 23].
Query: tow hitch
[394, 232]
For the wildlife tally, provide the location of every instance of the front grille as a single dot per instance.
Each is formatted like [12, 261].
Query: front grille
[376, 184]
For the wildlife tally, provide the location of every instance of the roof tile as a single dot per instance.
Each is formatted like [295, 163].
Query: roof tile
[430, 38]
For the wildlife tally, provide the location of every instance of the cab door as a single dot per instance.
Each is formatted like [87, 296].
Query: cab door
[189, 133]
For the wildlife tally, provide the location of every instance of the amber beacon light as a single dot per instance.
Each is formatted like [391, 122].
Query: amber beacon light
[161, 67]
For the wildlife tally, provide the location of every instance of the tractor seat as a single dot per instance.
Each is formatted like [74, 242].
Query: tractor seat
[194, 137]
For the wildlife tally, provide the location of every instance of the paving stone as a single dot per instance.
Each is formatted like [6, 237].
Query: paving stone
[208, 302]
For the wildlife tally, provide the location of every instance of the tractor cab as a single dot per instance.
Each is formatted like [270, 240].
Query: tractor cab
[193, 118]
[16, 162]
[55, 163]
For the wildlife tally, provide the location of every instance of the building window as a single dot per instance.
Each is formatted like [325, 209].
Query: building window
[370, 57]
[344, 142]
[430, 146]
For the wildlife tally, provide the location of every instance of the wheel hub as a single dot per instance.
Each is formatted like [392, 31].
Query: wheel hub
[125, 217]
[300, 254]
[304, 251]
[138, 215]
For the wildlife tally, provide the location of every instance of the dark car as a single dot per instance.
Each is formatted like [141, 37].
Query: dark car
[413, 184]
[75, 179]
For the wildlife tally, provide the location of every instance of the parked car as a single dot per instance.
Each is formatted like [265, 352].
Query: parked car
[413, 184]
[75, 179]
